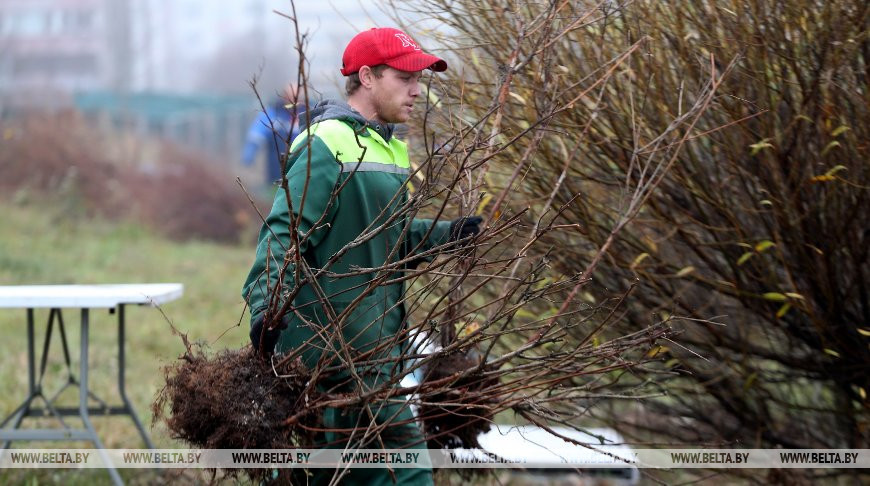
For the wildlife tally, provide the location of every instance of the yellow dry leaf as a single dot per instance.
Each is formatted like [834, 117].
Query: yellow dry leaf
[418, 173]
[835, 169]
[652, 353]
[482, 204]
[744, 257]
[759, 146]
[433, 98]
[475, 59]
[517, 97]
[650, 243]
[639, 259]
[526, 314]
[829, 146]
[763, 245]
[469, 329]
[774, 296]
[685, 271]
[839, 130]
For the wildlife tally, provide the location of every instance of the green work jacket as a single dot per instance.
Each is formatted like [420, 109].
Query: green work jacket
[352, 180]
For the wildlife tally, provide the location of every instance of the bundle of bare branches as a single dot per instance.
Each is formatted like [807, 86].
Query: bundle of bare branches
[712, 159]
[494, 330]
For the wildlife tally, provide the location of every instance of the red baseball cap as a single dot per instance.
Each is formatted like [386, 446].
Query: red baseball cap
[388, 46]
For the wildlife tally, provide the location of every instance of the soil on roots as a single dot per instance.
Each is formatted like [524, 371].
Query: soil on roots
[234, 400]
[457, 411]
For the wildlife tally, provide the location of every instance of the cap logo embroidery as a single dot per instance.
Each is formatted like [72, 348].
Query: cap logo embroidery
[407, 42]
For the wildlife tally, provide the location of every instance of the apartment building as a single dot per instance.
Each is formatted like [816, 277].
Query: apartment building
[51, 46]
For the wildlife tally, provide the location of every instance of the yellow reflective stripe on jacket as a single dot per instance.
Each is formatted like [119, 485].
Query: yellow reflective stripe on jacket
[374, 167]
[362, 150]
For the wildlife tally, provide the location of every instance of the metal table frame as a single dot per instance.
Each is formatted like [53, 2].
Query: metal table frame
[113, 297]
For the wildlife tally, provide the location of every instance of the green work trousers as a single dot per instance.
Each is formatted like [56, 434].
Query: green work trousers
[404, 435]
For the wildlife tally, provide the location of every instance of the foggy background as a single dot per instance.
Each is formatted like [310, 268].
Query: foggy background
[173, 69]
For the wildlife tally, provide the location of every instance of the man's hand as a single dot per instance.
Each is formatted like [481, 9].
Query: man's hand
[268, 337]
[464, 227]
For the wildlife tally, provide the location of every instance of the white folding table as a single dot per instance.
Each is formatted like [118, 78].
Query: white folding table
[83, 297]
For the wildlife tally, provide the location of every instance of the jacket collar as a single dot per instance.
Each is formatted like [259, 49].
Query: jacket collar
[339, 110]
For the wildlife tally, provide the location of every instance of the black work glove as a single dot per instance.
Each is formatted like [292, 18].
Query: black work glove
[464, 227]
[268, 337]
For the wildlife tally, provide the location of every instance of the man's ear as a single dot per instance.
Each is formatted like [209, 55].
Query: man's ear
[366, 76]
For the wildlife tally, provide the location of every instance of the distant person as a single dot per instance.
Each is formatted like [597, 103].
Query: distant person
[271, 130]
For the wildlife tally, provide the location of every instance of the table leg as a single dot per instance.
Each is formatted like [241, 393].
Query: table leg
[88, 433]
[46, 346]
[71, 379]
[18, 415]
[122, 389]
[83, 401]
[31, 354]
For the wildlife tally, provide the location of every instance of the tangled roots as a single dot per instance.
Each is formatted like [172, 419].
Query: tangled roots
[459, 410]
[234, 400]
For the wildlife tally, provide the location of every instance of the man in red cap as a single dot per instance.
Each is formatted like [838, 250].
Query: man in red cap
[347, 174]
[383, 67]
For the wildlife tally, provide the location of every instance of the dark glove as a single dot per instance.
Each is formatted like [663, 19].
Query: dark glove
[268, 337]
[464, 227]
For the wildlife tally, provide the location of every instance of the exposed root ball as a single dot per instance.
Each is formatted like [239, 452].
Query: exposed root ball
[459, 411]
[233, 400]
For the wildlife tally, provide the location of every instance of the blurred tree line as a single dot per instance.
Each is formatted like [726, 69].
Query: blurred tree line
[755, 231]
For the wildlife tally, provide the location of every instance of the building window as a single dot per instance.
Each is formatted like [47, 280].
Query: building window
[78, 20]
[29, 23]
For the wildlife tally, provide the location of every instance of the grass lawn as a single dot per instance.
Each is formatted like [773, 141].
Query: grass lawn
[42, 247]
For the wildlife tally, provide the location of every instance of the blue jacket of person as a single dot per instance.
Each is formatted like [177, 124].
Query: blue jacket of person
[272, 136]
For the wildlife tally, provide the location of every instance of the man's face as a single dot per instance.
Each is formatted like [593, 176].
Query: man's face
[394, 94]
